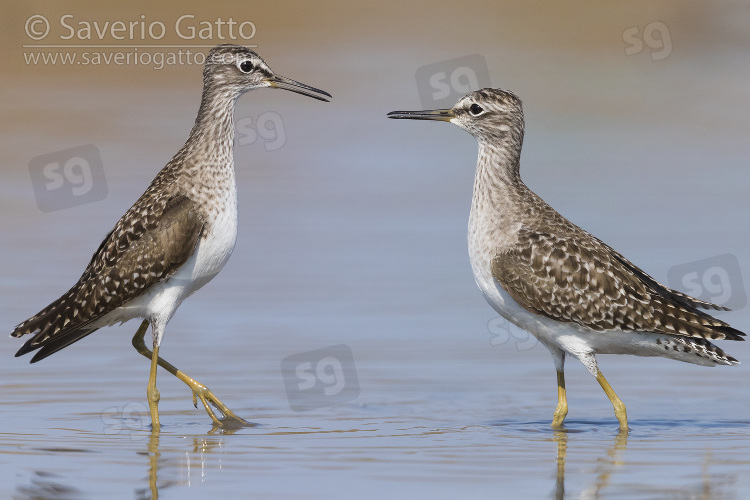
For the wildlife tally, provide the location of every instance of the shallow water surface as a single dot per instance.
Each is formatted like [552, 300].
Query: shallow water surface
[442, 421]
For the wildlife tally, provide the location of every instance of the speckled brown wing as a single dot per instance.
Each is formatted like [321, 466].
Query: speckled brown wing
[580, 280]
[154, 238]
[659, 287]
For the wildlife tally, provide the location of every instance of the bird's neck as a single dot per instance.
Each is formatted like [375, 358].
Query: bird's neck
[212, 136]
[492, 221]
[501, 201]
[204, 167]
[497, 183]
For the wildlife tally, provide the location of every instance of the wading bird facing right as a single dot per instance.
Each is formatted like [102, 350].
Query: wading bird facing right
[175, 238]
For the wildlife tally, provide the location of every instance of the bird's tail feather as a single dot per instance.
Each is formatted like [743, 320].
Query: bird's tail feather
[53, 344]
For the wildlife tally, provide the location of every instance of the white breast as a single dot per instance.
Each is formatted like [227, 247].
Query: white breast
[213, 250]
[482, 249]
[483, 246]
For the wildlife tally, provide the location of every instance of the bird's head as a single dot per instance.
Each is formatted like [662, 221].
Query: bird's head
[236, 69]
[493, 116]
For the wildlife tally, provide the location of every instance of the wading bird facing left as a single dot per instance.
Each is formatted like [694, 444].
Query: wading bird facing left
[544, 274]
[175, 238]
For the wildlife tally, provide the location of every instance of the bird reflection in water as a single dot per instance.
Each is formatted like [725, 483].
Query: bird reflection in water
[201, 444]
[603, 471]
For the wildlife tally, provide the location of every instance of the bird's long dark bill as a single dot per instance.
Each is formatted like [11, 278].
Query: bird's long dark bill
[281, 82]
[443, 115]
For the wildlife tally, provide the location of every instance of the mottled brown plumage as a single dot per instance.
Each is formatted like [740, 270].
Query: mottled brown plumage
[175, 238]
[148, 244]
[558, 270]
[543, 273]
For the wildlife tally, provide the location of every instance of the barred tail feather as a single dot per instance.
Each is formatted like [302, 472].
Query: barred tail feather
[54, 327]
[695, 350]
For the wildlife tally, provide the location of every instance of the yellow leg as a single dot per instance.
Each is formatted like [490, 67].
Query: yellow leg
[562, 402]
[200, 391]
[152, 393]
[618, 405]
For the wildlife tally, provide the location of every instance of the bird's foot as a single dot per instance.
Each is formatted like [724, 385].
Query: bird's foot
[622, 417]
[230, 419]
[559, 417]
[562, 402]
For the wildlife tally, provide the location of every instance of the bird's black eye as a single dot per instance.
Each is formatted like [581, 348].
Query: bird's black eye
[475, 109]
[246, 66]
